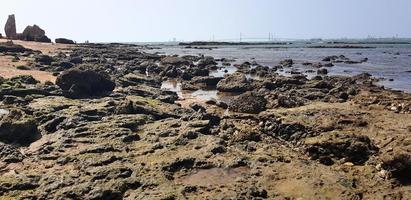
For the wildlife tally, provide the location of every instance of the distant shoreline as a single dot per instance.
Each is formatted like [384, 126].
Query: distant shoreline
[205, 43]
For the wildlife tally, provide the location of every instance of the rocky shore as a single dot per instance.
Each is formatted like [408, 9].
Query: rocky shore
[106, 129]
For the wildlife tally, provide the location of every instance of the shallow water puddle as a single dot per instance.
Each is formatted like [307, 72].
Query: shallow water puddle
[214, 176]
[4, 112]
[223, 71]
[201, 95]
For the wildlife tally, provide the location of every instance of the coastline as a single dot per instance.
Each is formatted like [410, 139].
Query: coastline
[275, 137]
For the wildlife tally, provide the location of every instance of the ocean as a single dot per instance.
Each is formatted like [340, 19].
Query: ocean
[390, 62]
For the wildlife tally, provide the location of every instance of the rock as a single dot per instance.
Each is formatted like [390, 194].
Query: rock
[64, 41]
[65, 65]
[44, 39]
[178, 164]
[44, 59]
[77, 83]
[322, 71]
[287, 63]
[288, 101]
[32, 33]
[293, 132]
[206, 81]
[254, 192]
[26, 79]
[236, 82]
[206, 61]
[248, 102]
[76, 60]
[330, 58]
[10, 28]
[16, 127]
[399, 166]
[10, 154]
[12, 48]
[340, 146]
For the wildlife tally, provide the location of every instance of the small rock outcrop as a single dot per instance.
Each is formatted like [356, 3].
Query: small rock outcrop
[18, 128]
[34, 33]
[249, 102]
[64, 41]
[10, 28]
[332, 147]
[78, 83]
[10, 47]
[236, 82]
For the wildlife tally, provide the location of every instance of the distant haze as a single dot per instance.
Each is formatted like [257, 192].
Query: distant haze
[163, 20]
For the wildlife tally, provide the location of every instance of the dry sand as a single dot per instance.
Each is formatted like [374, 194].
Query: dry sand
[8, 67]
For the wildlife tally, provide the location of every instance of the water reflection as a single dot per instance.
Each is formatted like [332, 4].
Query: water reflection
[201, 95]
[4, 112]
[223, 71]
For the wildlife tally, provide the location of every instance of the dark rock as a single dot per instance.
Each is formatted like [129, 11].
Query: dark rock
[17, 127]
[255, 192]
[399, 165]
[64, 41]
[290, 132]
[236, 82]
[350, 148]
[12, 48]
[44, 59]
[10, 28]
[206, 61]
[66, 65]
[179, 164]
[76, 60]
[26, 79]
[322, 71]
[43, 39]
[198, 71]
[77, 83]
[32, 33]
[219, 149]
[287, 63]
[222, 105]
[10, 154]
[248, 102]
[288, 101]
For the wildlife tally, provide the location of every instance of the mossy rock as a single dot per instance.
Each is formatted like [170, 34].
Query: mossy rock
[345, 147]
[18, 128]
[26, 79]
[23, 67]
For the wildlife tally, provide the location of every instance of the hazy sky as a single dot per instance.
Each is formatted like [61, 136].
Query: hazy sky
[163, 20]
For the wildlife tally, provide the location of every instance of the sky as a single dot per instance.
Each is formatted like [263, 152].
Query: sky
[190, 20]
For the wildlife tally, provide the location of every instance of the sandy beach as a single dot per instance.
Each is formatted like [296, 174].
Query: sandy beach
[8, 67]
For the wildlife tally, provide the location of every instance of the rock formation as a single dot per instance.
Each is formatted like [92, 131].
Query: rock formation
[78, 83]
[10, 28]
[64, 41]
[34, 33]
[249, 102]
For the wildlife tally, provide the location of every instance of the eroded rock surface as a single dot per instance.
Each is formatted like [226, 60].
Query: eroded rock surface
[78, 83]
[10, 27]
